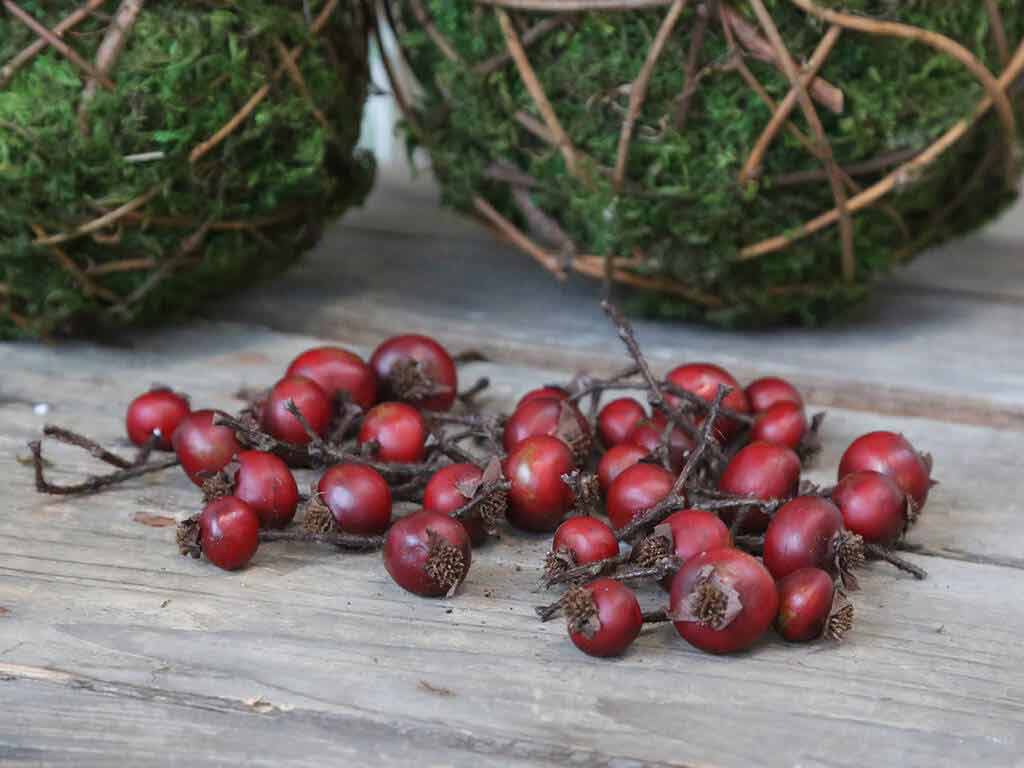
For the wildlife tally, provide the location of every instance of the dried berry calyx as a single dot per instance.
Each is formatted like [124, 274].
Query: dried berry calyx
[220, 484]
[187, 537]
[586, 490]
[849, 556]
[840, 618]
[445, 563]
[410, 382]
[573, 434]
[556, 563]
[712, 602]
[651, 550]
[581, 611]
[318, 518]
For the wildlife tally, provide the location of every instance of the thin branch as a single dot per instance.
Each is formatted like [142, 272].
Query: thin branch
[93, 484]
[337, 539]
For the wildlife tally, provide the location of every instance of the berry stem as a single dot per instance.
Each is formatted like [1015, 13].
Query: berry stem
[92, 484]
[878, 552]
[481, 384]
[659, 616]
[585, 572]
[81, 441]
[335, 538]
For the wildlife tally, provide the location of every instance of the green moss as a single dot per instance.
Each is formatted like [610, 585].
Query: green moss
[187, 69]
[682, 206]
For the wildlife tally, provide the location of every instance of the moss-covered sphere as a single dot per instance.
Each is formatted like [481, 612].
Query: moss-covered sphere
[208, 223]
[682, 213]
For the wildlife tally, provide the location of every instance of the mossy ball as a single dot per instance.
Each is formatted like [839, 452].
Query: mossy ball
[522, 107]
[166, 153]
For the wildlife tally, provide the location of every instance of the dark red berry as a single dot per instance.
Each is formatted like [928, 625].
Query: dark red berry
[556, 393]
[156, 413]
[203, 448]
[539, 497]
[723, 600]
[647, 435]
[893, 455]
[804, 533]
[703, 379]
[873, 506]
[805, 602]
[339, 373]
[617, 460]
[358, 497]
[312, 402]
[587, 538]
[617, 419]
[546, 416]
[417, 370]
[603, 617]
[636, 490]
[266, 484]
[764, 471]
[693, 531]
[229, 532]
[447, 492]
[764, 393]
[782, 423]
[398, 430]
[427, 553]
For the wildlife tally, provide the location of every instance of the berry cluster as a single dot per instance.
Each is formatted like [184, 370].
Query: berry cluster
[693, 486]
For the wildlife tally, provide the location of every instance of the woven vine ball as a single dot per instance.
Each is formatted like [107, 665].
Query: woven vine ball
[156, 154]
[748, 162]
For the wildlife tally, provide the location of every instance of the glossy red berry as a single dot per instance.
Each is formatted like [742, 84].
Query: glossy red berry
[539, 497]
[427, 553]
[443, 494]
[893, 455]
[804, 533]
[203, 448]
[266, 484]
[782, 423]
[358, 497]
[312, 402]
[694, 531]
[637, 489]
[603, 617]
[873, 506]
[557, 393]
[416, 370]
[546, 416]
[587, 538]
[764, 393]
[398, 430]
[764, 471]
[723, 600]
[156, 413]
[703, 379]
[229, 532]
[617, 460]
[647, 435]
[339, 373]
[617, 419]
[805, 602]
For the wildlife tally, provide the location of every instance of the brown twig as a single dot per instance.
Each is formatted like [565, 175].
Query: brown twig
[68, 23]
[878, 552]
[91, 446]
[93, 484]
[690, 76]
[337, 539]
[108, 54]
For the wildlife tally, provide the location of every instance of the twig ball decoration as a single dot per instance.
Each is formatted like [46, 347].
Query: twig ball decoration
[747, 162]
[154, 154]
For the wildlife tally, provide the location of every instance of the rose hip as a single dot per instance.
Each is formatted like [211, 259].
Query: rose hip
[804, 533]
[636, 490]
[427, 553]
[617, 419]
[156, 413]
[586, 538]
[266, 484]
[873, 505]
[763, 471]
[805, 603]
[764, 393]
[547, 416]
[338, 372]
[617, 460]
[203, 449]
[782, 423]
[723, 600]
[703, 380]
[539, 497]
[312, 402]
[443, 495]
[417, 370]
[358, 498]
[398, 430]
[693, 531]
[229, 532]
[603, 617]
[892, 455]
[647, 435]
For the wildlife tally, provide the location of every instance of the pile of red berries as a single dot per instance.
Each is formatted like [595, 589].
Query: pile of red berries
[694, 485]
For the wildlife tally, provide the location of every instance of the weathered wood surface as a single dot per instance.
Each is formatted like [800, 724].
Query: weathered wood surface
[113, 648]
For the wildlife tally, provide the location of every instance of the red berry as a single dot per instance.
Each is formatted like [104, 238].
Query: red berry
[647, 435]
[703, 379]
[891, 454]
[587, 538]
[399, 431]
[427, 553]
[539, 498]
[229, 532]
[338, 372]
[312, 402]
[417, 370]
[617, 419]
[556, 393]
[782, 423]
[637, 489]
[766, 392]
[873, 505]
[358, 497]
[266, 484]
[202, 448]
[805, 602]
[723, 600]
[545, 416]
[694, 531]
[803, 534]
[442, 495]
[604, 617]
[157, 412]
[617, 460]
[764, 471]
